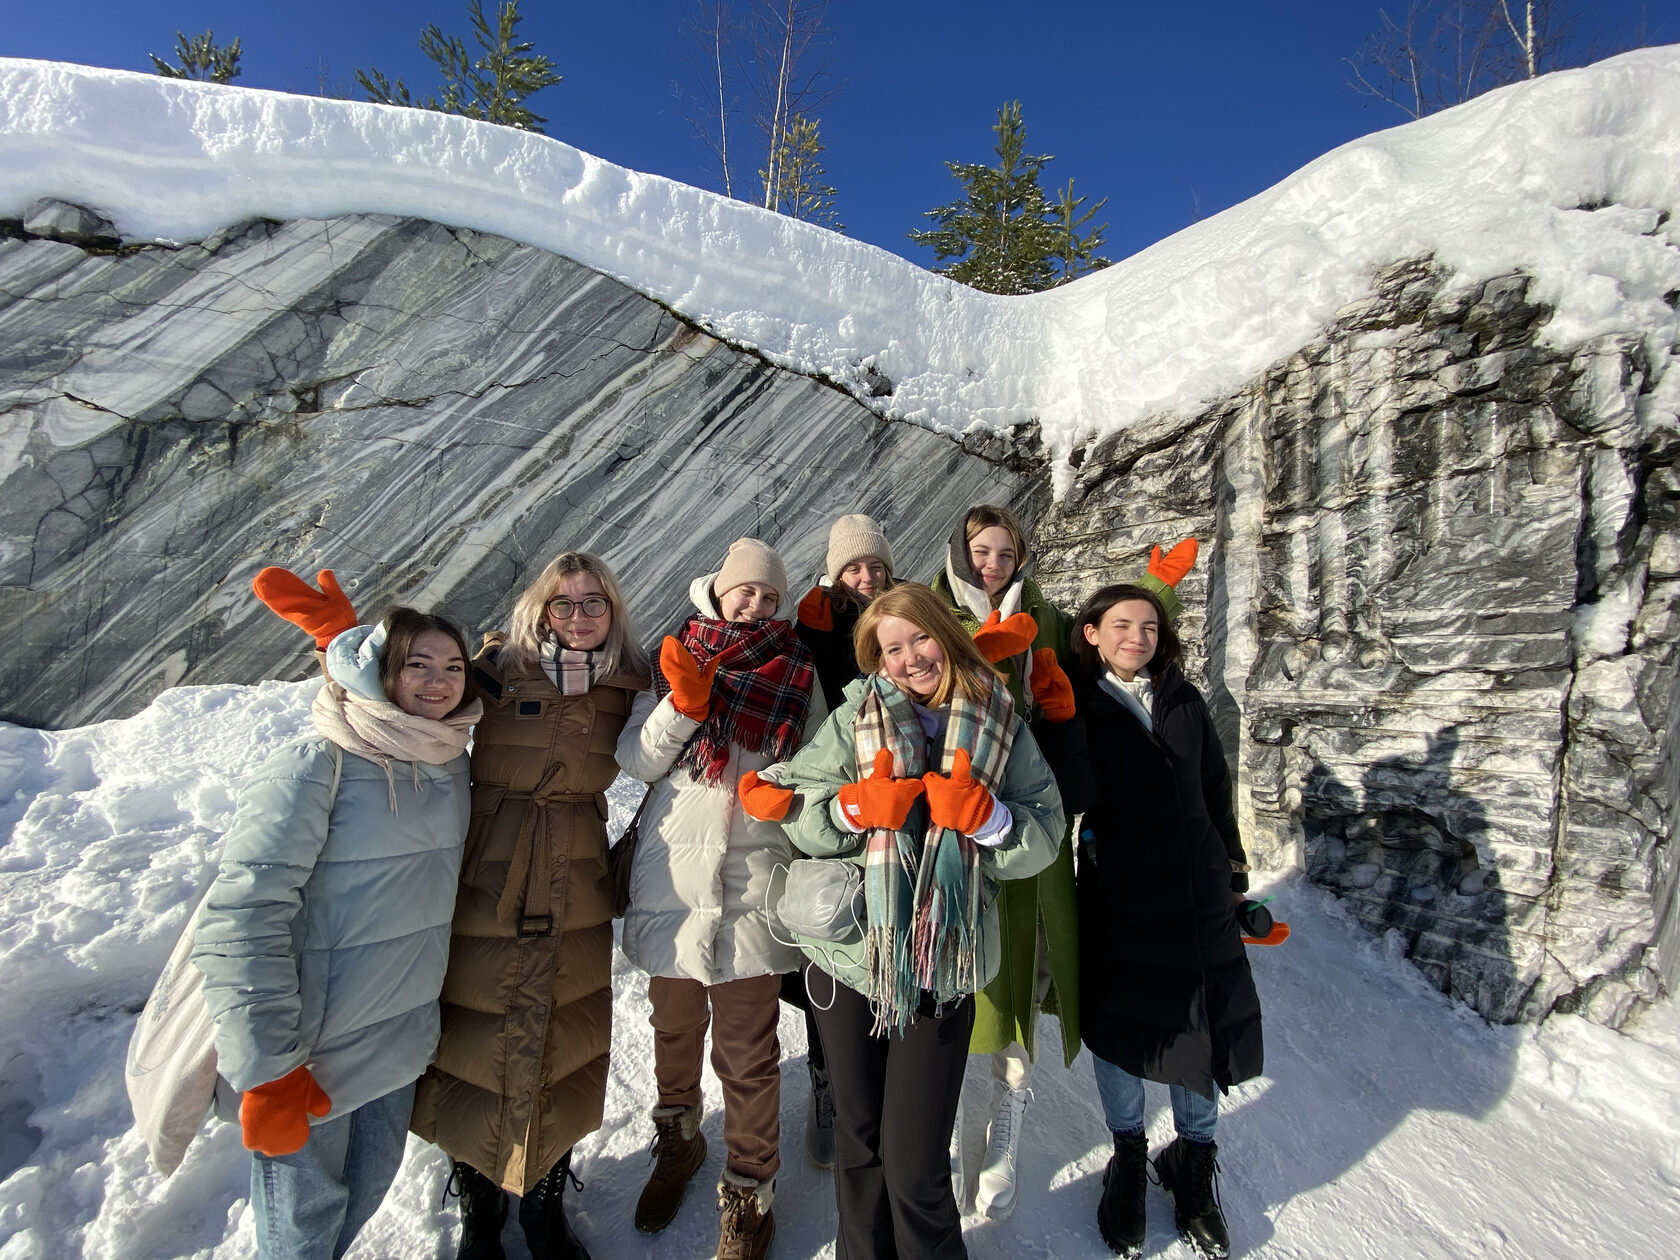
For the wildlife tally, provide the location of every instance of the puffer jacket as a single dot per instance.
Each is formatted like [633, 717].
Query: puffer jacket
[829, 761]
[702, 866]
[521, 1070]
[324, 939]
[1005, 1012]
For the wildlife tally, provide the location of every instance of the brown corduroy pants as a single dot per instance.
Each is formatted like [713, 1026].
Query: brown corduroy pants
[745, 1055]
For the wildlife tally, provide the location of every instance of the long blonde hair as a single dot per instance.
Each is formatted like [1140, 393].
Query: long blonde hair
[966, 671]
[530, 629]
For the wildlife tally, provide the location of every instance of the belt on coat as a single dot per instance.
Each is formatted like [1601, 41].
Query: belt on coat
[528, 871]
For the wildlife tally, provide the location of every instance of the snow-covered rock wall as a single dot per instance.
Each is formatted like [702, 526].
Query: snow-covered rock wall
[1438, 621]
[1437, 612]
[430, 411]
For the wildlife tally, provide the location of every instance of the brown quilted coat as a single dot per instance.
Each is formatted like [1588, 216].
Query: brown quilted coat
[521, 1069]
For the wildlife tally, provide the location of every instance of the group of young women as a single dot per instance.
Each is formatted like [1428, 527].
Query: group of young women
[860, 803]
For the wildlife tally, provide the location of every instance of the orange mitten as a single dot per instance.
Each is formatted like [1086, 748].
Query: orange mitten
[960, 802]
[763, 799]
[998, 640]
[879, 800]
[814, 610]
[323, 613]
[1175, 564]
[691, 686]
[275, 1117]
[1050, 686]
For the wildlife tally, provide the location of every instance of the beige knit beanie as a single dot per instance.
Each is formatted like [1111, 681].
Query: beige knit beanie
[750, 561]
[852, 538]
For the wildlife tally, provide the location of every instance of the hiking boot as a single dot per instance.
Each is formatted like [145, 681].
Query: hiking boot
[484, 1209]
[1189, 1171]
[543, 1218]
[1120, 1214]
[819, 1121]
[745, 1225]
[679, 1149]
[994, 1188]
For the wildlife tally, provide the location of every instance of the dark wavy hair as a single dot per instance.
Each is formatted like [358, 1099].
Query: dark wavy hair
[402, 627]
[1168, 650]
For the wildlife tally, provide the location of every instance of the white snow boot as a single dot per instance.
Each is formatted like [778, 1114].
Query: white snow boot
[995, 1187]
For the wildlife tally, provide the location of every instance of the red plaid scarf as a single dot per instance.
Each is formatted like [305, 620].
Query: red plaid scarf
[760, 696]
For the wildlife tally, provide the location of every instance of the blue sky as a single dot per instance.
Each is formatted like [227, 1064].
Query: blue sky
[1173, 111]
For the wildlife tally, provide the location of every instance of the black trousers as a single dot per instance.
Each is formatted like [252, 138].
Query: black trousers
[895, 1099]
[794, 994]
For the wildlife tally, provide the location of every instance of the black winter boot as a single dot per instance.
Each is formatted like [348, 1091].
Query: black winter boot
[541, 1215]
[1189, 1171]
[1120, 1214]
[484, 1209]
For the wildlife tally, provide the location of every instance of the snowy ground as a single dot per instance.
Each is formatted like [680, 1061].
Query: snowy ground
[1573, 178]
[1390, 1123]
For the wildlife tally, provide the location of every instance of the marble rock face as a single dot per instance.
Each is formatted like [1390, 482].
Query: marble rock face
[1437, 625]
[431, 412]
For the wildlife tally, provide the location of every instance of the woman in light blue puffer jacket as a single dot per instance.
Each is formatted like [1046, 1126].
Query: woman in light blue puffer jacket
[324, 939]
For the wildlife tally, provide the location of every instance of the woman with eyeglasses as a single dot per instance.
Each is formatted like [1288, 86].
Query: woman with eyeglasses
[521, 1069]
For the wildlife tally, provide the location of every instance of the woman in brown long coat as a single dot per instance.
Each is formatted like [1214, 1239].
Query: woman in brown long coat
[521, 1070]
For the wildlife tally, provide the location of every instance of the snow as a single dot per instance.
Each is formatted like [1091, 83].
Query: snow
[1390, 1122]
[1505, 183]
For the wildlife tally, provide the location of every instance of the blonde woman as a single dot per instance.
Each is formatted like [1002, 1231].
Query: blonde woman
[521, 1070]
[927, 779]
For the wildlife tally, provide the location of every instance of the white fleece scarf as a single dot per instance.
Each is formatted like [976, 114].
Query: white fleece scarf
[1137, 695]
[381, 732]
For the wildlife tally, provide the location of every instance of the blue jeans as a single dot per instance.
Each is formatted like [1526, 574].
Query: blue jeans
[1122, 1100]
[310, 1205]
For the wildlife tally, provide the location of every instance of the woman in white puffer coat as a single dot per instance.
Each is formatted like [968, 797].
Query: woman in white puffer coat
[736, 692]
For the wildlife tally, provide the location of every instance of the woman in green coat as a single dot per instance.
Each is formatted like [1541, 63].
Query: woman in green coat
[1026, 637]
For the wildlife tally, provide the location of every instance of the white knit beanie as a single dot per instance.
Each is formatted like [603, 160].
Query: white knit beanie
[852, 538]
[750, 561]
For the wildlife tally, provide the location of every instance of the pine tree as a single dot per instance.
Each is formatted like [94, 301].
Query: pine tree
[493, 87]
[1076, 255]
[800, 191]
[201, 58]
[1002, 233]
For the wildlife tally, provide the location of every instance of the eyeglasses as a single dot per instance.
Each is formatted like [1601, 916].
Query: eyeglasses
[561, 608]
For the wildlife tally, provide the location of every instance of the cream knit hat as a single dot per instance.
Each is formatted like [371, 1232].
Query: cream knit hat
[853, 537]
[750, 561]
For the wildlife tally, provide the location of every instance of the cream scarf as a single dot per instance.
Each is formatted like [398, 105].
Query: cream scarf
[381, 732]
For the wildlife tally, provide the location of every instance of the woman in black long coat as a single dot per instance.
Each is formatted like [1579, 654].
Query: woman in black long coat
[1165, 990]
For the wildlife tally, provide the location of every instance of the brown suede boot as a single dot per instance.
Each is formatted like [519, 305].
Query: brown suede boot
[678, 1151]
[747, 1226]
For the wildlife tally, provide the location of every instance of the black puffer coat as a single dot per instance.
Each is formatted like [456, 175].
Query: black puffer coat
[1165, 990]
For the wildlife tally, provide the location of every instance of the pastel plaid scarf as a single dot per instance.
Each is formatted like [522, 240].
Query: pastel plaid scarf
[760, 696]
[922, 884]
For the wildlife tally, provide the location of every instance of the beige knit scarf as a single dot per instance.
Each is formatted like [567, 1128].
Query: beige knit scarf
[383, 733]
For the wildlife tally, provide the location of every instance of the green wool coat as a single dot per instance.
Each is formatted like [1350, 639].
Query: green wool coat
[1004, 1010]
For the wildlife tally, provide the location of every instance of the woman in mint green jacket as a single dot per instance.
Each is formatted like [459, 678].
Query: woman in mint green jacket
[324, 938]
[928, 782]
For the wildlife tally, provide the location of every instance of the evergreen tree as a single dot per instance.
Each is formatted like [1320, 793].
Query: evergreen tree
[800, 190]
[1004, 235]
[201, 58]
[1076, 254]
[492, 87]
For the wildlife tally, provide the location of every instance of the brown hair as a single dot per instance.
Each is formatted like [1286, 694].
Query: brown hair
[402, 627]
[530, 627]
[1168, 650]
[966, 671]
